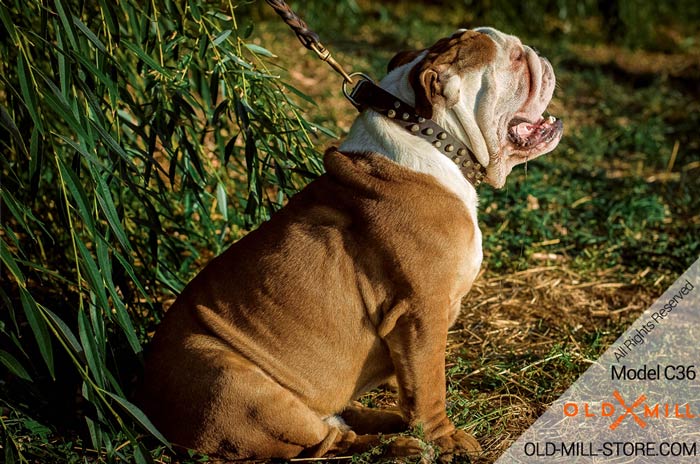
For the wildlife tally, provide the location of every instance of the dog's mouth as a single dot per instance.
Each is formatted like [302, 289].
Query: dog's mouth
[534, 137]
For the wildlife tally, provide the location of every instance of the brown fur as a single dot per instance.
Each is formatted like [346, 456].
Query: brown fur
[357, 279]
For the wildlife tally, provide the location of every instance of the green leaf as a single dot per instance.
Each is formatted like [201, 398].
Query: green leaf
[65, 17]
[9, 25]
[98, 437]
[19, 212]
[92, 274]
[104, 198]
[230, 56]
[115, 385]
[204, 43]
[13, 365]
[221, 200]
[258, 50]
[64, 331]
[62, 109]
[221, 37]
[64, 68]
[108, 139]
[77, 191]
[248, 30]
[110, 15]
[324, 130]
[81, 149]
[35, 161]
[141, 455]
[92, 353]
[37, 429]
[123, 318]
[219, 15]
[128, 268]
[28, 94]
[90, 35]
[194, 8]
[139, 417]
[92, 70]
[299, 93]
[10, 450]
[39, 328]
[9, 261]
[9, 124]
[146, 58]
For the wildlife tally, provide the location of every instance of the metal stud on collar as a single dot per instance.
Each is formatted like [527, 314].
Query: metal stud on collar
[368, 95]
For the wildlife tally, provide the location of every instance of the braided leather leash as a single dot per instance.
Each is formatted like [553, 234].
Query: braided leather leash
[306, 36]
[368, 95]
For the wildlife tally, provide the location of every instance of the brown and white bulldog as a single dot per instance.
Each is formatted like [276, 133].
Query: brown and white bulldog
[357, 280]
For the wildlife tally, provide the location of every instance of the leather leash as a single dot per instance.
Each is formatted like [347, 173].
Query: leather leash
[366, 94]
[306, 36]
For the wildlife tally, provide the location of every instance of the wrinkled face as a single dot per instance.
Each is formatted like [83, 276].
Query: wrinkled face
[489, 88]
[522, 83]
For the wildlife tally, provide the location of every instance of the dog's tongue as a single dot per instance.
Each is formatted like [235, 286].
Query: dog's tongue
[526, 134]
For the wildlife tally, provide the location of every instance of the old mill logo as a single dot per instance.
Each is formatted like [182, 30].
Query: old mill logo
[638, 411]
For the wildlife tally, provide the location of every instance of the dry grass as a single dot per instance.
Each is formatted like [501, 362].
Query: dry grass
[530, 335]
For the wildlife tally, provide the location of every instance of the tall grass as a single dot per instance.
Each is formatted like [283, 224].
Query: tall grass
[133, 134]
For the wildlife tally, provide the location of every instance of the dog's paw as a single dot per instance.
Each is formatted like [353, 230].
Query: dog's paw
[458, 443]
[403, 449]
[403, 446]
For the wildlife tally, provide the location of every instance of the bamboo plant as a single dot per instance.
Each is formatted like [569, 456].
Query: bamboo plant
[133, 136]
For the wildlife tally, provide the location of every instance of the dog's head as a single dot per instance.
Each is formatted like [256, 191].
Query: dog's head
[488, 89]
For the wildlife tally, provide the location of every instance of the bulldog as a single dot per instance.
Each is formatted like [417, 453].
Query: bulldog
[357, 279]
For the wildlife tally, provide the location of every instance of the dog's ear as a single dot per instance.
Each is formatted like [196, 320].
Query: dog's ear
[436, 80]
[434, 86]
[402, 58]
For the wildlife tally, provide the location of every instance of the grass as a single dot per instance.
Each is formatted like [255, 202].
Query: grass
[575, 246]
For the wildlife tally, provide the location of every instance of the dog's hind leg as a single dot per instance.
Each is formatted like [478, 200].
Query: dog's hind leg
[236, 411]
[262, 419]
[278, 424]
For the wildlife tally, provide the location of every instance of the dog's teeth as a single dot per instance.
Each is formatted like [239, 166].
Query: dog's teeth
[551, 119]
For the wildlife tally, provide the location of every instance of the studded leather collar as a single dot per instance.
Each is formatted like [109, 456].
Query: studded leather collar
[366, 94]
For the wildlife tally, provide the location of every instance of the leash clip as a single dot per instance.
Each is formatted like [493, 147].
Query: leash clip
[325, 55]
